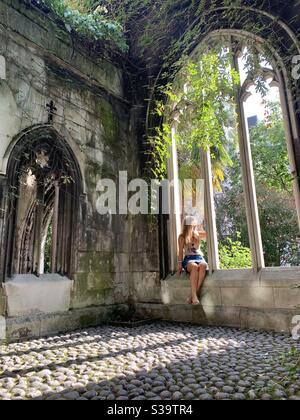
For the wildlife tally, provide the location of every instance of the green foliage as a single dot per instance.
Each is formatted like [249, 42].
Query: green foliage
[253, 66]
[205, 93]
[163, 33]
[269, 150]
[159, 151]
[233, 255]
[279, 225]
[201, 102]
[274, 186]
[278, 218]
[95, 26]
[291, 363]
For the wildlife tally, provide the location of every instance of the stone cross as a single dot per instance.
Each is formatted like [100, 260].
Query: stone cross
[51, 111]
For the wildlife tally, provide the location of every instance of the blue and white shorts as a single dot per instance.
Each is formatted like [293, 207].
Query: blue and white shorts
[196, 259]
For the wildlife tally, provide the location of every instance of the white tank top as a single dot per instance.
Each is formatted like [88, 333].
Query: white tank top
[192, 248]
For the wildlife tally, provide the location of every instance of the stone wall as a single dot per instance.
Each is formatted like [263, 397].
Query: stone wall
[2, 302]
[39, 63]
[235, 298]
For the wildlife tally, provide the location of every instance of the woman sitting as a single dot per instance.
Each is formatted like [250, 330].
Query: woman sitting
[193, 262]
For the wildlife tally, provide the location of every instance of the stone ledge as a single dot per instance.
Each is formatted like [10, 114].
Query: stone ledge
[24, 328]
[279, 277]
[268, 277]
[271, 288]
[28, 294]
[277, 320]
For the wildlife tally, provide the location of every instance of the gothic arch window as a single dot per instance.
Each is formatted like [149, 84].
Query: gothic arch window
[44, 187]
[272, 76]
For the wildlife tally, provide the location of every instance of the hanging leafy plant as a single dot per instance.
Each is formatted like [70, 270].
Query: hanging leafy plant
[200, 103]
[93, 25]
[159, 33]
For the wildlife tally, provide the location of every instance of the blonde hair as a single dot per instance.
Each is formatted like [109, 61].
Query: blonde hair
[188, 231]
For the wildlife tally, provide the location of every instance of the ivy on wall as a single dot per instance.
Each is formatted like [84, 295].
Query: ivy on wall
[161, 35]
[164, 33]
[94, 25]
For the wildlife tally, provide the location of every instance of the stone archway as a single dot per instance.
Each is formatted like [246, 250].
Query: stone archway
[183, 38]
[260, 23]
[44, 184]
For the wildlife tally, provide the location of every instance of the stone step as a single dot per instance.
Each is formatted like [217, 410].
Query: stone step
[278, 320]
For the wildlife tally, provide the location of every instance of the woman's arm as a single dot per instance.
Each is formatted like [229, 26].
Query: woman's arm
[201, 232]
[202, 235]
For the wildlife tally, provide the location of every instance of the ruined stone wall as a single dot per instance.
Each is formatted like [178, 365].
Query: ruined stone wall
[39, 63]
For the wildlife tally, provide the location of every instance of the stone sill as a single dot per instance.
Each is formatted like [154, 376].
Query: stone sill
[41, 325]
[268, 289]
[267, 277]
[133, 324]
[28, 294]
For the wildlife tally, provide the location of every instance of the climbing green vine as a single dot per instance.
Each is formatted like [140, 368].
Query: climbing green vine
[165, 33]
[93, 25]
[161, 35]
[201, 105]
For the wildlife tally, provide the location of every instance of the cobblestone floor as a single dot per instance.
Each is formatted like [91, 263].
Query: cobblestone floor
[156, 362]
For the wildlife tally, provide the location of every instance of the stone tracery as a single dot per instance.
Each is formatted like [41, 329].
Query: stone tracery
[46, 180]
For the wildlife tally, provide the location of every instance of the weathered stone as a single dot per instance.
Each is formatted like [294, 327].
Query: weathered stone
[239, 396]
[165, 395]
[222, 396]
[205, 397]
[71, 395]
[89, 395]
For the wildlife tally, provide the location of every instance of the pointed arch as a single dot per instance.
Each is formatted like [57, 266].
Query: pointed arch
[282, 80]
[43, 186]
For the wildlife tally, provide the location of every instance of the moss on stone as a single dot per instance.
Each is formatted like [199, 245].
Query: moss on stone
[95, 262]
[86, 321]
[110, 124]
[2, 303]
[94, 288]
[95, 171]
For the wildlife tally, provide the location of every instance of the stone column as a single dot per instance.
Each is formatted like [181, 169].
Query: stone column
[292, 137]
[210, 213]
[55, 230]
[174, 203]
[3, 216]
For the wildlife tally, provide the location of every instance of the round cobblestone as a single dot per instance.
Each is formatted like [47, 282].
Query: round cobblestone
[155, 362]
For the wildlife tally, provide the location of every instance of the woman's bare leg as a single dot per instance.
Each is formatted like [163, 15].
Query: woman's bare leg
[193, 269]
[201, 275]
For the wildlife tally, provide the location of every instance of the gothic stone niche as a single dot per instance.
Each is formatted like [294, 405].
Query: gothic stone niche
[44, 186]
